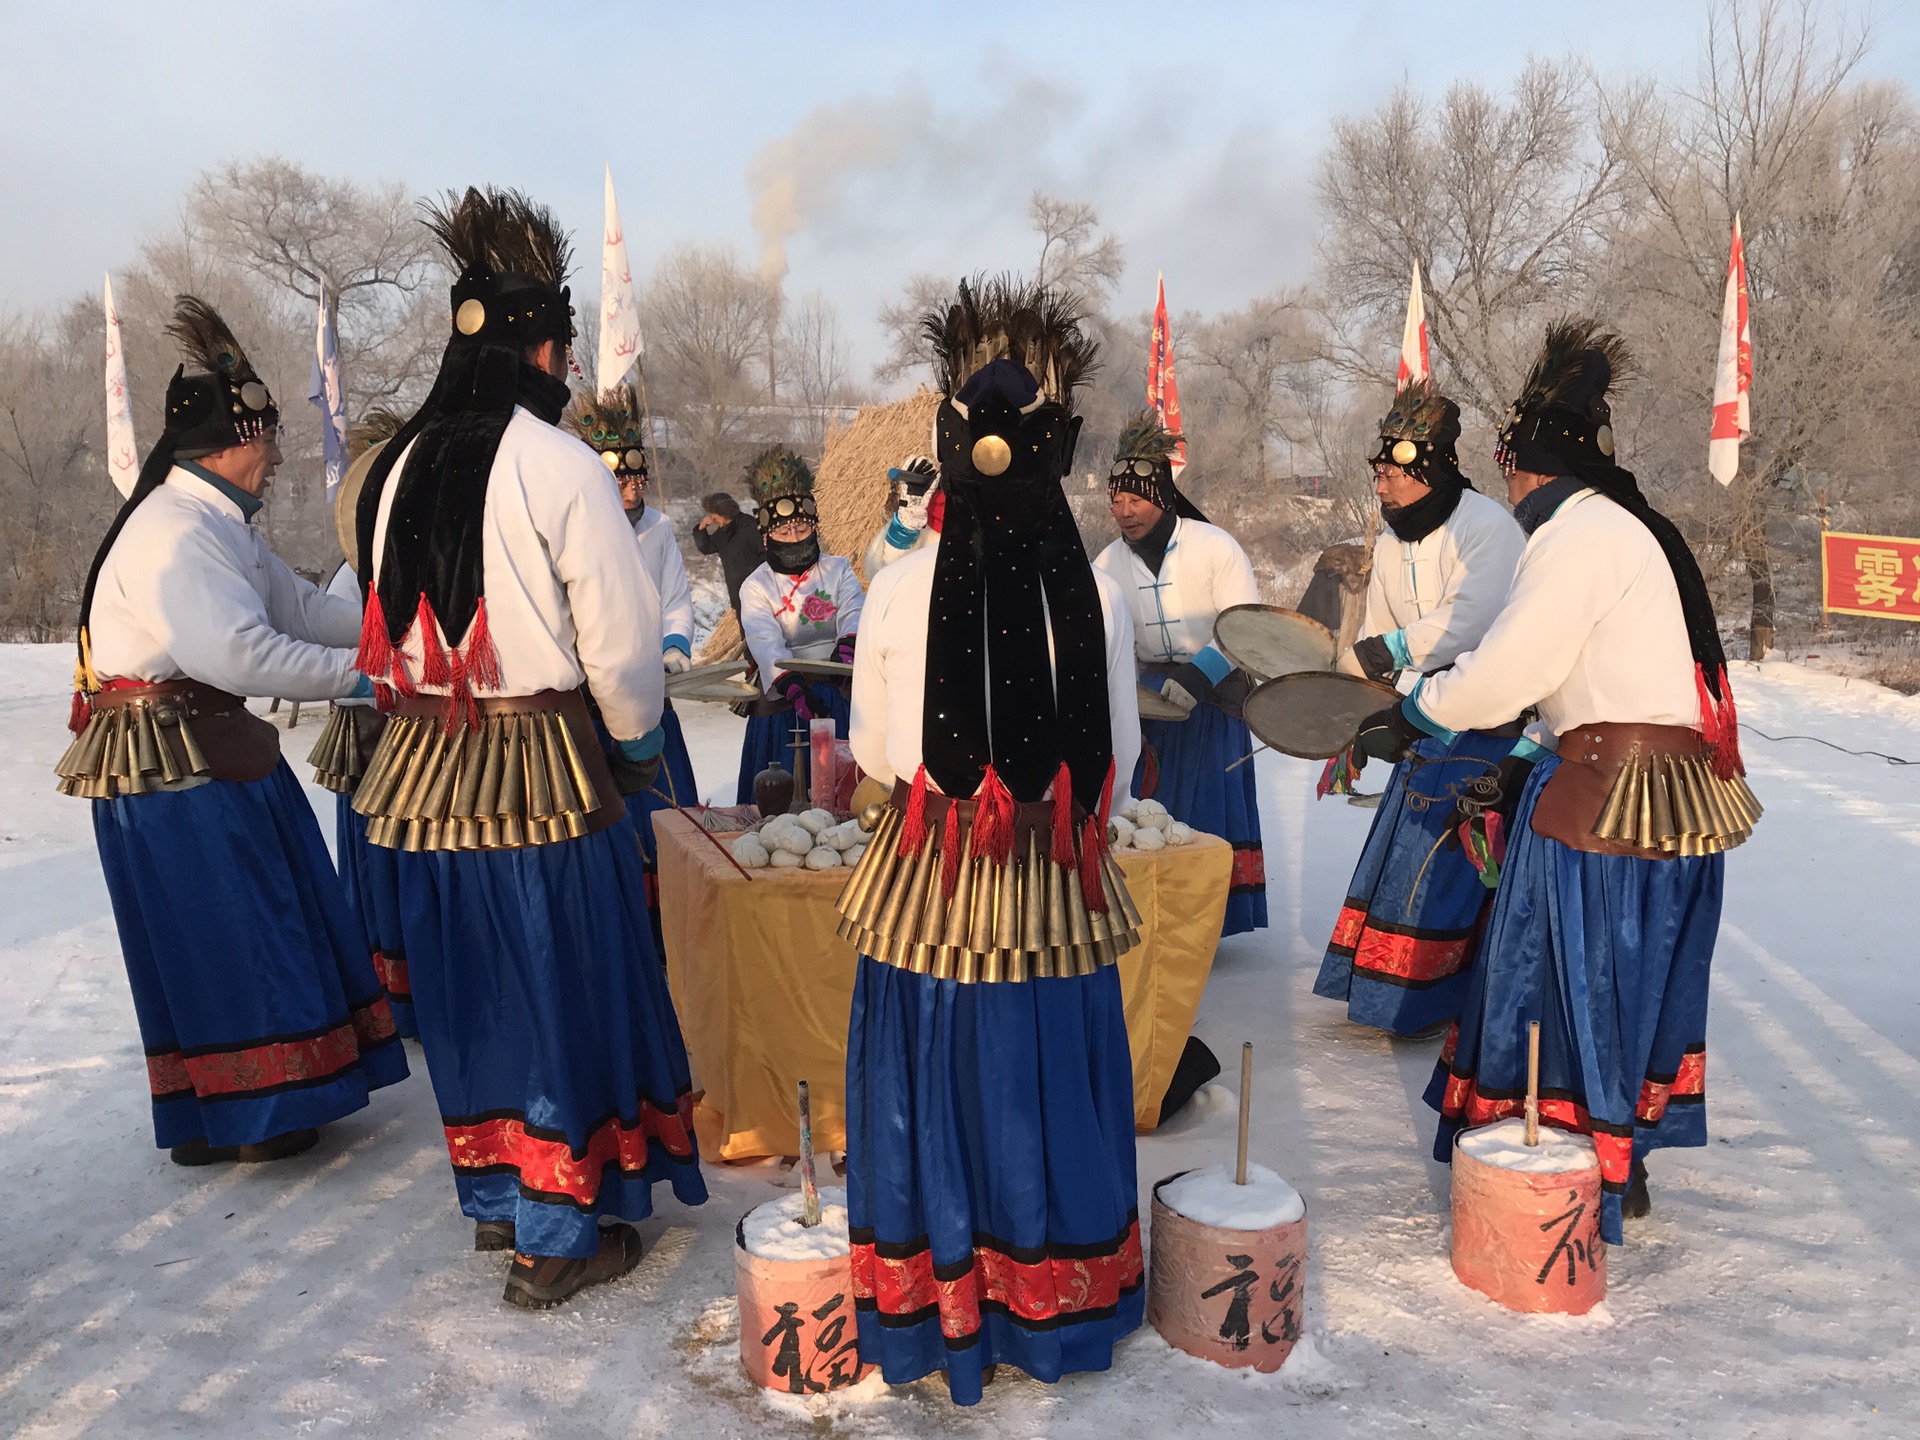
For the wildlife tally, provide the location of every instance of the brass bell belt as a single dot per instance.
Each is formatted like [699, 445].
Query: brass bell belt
[530, 773]
[1643, 790]
[345, 747]
[170, 735]
[1026, 919]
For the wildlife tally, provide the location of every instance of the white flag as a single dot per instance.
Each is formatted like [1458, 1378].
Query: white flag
[123, 456]
[1733, 373]
[619, 314]
[328, 395]
[1413, 337]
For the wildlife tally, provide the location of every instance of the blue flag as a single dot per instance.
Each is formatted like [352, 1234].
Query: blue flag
[329, 397]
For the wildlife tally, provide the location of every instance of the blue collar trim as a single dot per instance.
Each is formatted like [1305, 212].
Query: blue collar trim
[249, 504]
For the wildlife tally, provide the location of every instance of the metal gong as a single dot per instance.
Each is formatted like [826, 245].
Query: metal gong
[346, 504]
[819, 669]
[1314, 716]
[1155, 706]
[1269, 640]
[711, 682]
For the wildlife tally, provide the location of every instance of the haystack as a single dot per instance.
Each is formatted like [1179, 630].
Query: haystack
[851, 486]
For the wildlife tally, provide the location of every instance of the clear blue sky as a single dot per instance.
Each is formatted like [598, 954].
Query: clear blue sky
[1194, 127]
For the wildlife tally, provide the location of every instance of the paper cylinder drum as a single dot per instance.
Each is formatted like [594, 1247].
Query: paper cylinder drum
[1236, 1297]
[1531, 1242]
[797, 1332]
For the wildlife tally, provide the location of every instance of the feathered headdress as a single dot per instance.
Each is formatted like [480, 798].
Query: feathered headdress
[1001, 317]
[781, 486]
[612, 424]
[513, 260]
[378, 424]
[222, 401]
[1143, 466]
[1562, 416]
[1146, 438]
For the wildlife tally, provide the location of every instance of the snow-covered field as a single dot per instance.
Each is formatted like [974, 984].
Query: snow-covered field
[1774, 1292]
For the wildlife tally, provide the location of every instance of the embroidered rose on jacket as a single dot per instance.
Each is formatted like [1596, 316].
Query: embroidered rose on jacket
[819, 609]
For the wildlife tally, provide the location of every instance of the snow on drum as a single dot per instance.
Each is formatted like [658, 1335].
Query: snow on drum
[1227, 1274]
[1526, 1220]
[795, 1286]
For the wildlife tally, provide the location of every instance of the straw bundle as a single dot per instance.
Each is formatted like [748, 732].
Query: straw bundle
[850, 486]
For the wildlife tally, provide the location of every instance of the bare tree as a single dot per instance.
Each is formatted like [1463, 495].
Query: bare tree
[908, 349]
[815, 363]
[1501, 203]
[1075, 256]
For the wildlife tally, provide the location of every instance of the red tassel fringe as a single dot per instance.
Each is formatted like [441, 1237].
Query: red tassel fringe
[1720, 724]
[483, 661]
[993, 823]
[376, 651]
[434, 667]
[80, 712]
[913, 829]
[1093, 848]
[1061, 850]
[950, 853]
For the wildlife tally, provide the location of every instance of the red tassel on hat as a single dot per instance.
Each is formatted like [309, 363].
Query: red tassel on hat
[376, 651]
[913, 827]
[950, 851]
[434, 669]
[483, 661]
[1061, 849]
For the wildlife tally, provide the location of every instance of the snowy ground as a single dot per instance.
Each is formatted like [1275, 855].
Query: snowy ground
[1773, 1293]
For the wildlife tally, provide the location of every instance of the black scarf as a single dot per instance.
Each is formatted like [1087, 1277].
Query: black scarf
[1415, 522]
[1152, 546]
[1539, 506]
[793, 557]
[1010, 561]
[435, 544]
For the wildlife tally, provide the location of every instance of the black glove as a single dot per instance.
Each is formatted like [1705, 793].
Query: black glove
[1192, 679]
[1496, 790]
[632, 777]
[1375, 659]
[794, 688]
[1387, 734]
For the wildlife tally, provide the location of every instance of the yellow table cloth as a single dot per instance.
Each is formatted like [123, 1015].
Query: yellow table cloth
[764, 987]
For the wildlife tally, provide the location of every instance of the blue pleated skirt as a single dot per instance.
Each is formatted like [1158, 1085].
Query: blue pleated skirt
[1196, 786]
[373, 891]
[257, 1001]
[674, 785]
[991, 1186]
[1406, 936]
[556, 1058]
[770, 737]
[1611, 954]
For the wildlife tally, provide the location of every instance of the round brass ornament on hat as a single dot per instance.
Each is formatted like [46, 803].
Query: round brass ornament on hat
[1405, 452]
[254, 395]
[613, 460]
[1603, 439]
[992, 455]
[634, 460]
[469, 317]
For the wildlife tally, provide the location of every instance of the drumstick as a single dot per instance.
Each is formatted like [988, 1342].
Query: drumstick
[1246, 757]
[706, 832]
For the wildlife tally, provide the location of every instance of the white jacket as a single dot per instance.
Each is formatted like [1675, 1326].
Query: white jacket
[568, 599]
[803, 616]
[191, 590]
[1441, 592]
[667, 568]
[1592, 633]
[1204, 572]
[890, 673]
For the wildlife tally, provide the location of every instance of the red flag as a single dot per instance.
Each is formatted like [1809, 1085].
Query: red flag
[1733, 372]
[1163, 390]
[1413, 338]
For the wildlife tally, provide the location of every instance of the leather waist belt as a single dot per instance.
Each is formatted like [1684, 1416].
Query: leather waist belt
[1643, 790]
[169, 735]
[975, 918]
[530, 772]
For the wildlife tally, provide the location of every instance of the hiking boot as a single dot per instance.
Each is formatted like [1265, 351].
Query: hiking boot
[493, 1234]
[280, 1147]
[539, 1282]
[1636, 1204]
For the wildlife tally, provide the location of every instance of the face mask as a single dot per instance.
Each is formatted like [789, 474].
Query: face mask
[793, 557]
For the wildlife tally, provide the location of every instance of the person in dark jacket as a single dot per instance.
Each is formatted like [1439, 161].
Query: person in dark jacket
[738, 546]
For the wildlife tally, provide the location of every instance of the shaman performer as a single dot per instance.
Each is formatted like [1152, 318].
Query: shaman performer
[990, 1162]
[1441, 572]
[502, 578]
[257, 1001]
[1604, 922]
[339, 758]
[612, 426]
[915, 483]
[799, 605]
[1178, 573]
